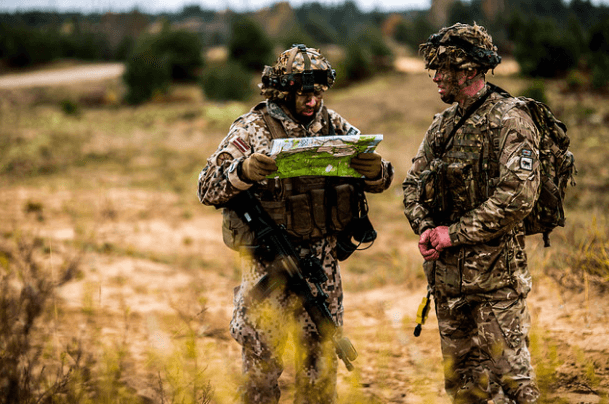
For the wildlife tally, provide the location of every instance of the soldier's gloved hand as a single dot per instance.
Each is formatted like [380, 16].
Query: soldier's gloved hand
[440, 239]
[427, 251]
[367, 164]
[257, 166]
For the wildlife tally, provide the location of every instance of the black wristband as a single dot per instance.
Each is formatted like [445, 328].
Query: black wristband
[240, 173]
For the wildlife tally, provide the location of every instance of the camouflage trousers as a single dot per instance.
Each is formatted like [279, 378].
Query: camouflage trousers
[263, 329]
[485, 350]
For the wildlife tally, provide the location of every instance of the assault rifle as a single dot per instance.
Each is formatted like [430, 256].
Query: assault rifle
[287, 269]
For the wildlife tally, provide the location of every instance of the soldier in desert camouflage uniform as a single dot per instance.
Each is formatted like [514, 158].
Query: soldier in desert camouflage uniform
[469, 188]
[306, 206]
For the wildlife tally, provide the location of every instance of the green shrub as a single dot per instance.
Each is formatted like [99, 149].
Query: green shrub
[182, 52]
[70, 107]
[157, 60]
[542, 50]
[146, 74]
[357, 64]
[227, 82]
[413, 33]
[366, 54]
[382, 56]
[249, 45]
[598, 59]
[21, 46]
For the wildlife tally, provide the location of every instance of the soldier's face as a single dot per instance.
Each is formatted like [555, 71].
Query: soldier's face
[307, 104]
[450, 83]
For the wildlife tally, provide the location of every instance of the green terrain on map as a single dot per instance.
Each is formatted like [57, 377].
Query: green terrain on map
[314, 162]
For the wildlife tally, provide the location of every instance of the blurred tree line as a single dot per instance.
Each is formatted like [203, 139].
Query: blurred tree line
[548, 38]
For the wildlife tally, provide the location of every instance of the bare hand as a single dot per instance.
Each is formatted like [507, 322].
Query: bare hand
[427, 251]
[440, 238]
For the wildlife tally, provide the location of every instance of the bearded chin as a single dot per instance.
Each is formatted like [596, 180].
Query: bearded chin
[448, 98]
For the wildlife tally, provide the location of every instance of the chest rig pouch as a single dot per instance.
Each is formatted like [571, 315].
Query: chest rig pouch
[309, 208]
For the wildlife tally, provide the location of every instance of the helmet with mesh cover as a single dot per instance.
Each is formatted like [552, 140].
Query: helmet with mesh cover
[297, 69]
[460, 46]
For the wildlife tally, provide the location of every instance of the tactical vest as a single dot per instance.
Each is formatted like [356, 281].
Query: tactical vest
[309, 208]
[461, 176]
[466, 171]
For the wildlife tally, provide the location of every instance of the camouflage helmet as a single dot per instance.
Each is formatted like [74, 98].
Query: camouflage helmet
[297, 69]
[461, 46]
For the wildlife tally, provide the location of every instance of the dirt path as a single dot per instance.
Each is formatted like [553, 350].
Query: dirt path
[62, 76]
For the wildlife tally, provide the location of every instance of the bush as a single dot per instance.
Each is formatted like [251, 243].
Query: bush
[157, 60]
[598, 59]
[382, 56]
[26, 290]
[249, 45]
[413, 33]
[356, 66]
[227, 82]
[542, 50]
[182, 52]
[146, 74]
[22, 47]
[365, 56]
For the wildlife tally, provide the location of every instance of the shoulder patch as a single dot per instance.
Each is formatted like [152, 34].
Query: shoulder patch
[240, 144]
[222, 157]
[526, 159]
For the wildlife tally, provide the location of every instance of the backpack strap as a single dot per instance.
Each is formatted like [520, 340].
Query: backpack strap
[492, 143]
[274, 126]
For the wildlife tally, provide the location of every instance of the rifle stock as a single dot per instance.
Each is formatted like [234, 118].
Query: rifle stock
[286, 269]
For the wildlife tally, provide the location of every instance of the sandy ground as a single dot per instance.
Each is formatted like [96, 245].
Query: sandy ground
[393, 366]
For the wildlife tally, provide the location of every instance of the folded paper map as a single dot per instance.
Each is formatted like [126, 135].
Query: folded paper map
[323, 155]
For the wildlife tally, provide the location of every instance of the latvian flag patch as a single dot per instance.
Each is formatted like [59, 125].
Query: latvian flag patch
[240, 144]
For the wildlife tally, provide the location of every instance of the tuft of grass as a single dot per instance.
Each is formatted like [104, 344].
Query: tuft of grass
[587, 261]
[26, 291]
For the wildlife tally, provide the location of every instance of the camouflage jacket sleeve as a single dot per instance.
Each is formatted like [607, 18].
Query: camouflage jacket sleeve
[342, 127]
[417, 214]
[516, 187]
[219, 181]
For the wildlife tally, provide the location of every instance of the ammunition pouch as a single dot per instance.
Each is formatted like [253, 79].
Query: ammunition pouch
[464, 191]
[309, 208]
[431, 190]
[235, 232]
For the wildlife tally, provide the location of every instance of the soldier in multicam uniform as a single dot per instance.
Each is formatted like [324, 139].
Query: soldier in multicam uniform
[471, 185]
[311, 208]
